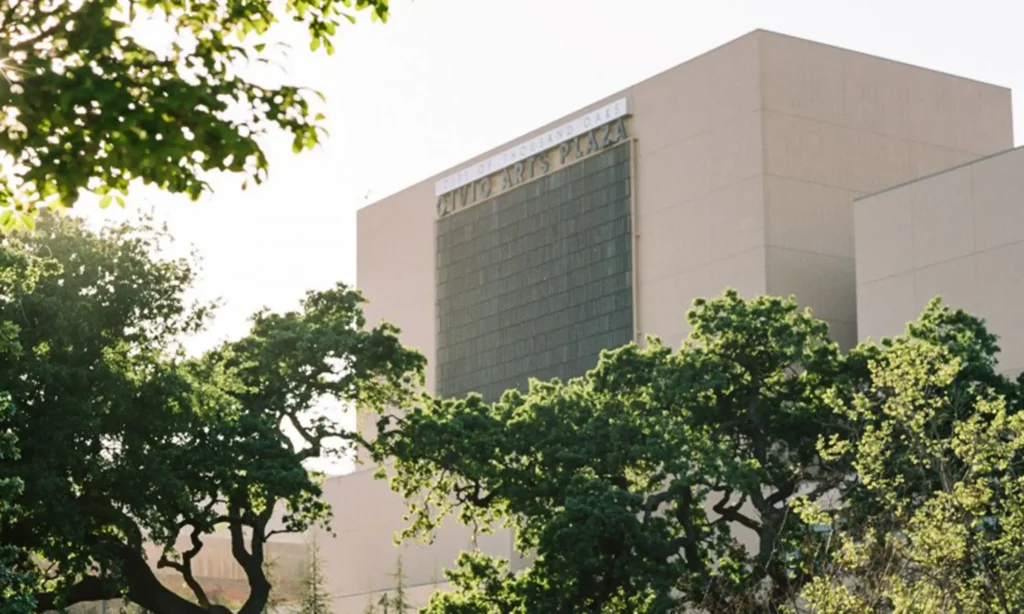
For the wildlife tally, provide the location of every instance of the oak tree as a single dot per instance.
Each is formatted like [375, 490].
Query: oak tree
[628, 484]
[711, 479]
[124, 440]
[16, 581]
[934, 521]
[90, 103]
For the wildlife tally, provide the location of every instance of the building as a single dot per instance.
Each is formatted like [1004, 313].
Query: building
[958, 234]
[749, 166]
[771, 164]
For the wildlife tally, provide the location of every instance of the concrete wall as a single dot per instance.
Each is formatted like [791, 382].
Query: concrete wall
[958, 234]
[748, 159]
[747, 163]
[838, 125]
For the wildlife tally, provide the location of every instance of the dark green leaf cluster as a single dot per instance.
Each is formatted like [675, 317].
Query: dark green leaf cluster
[124, 440]
[669, 481]
[17, 578]
[91, 103]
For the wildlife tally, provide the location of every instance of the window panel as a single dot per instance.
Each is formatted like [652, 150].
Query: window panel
[535, 282]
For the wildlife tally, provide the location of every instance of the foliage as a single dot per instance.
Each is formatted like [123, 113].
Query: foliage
[695, 480]
[396, 603]
[314, 598]
[91, 104]
[16, 582]
[624, 483]
[936, 519]
[122, 436]
[400, 603]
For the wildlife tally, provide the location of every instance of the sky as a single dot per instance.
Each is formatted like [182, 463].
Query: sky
[445, 80]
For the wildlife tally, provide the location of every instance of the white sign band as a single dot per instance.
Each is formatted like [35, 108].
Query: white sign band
[552, 138]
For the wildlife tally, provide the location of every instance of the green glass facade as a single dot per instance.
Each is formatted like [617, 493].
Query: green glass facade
[536, 281]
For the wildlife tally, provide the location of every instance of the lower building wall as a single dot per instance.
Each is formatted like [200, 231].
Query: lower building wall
[416, 596]
[361, 559]
[958, 235]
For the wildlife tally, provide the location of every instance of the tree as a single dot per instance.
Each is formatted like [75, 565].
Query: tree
[124, 439]
[935, 519]
[626, 483]
[273, 600]
[397, 603]
[89, 104]
[18, 576]
[314, 598]
[16, 581]
[663, 481]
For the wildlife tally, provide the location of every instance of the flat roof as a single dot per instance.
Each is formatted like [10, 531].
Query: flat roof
[939, 172]
[625, 90]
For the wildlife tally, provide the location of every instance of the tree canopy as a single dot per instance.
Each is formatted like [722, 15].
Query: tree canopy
[935, 519]
[89, 104]
[15, 583]
[720, 478]
[124, 439]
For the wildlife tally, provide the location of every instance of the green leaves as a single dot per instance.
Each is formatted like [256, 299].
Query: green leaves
[935, 520]
[121, 436]
[754, 468]
[17, 576]
[89, 108]
[623, 483]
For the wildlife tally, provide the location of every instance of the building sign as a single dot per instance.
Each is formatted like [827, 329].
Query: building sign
[576, 139]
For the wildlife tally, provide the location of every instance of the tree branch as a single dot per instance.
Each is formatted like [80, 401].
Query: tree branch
[731, 512]
[655, 501]
[786, 490]
[89, 588]
[144, 588]
[185, 567]
[472, 494]
[252, 561]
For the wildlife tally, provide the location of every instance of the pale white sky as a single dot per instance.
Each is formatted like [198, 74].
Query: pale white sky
[447, 79]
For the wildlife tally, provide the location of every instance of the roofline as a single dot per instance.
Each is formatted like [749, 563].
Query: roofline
[938, 172]
[626, 90]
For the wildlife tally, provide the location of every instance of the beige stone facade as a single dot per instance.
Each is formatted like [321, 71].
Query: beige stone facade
[746, 164]
[957, 234]
[747, 161]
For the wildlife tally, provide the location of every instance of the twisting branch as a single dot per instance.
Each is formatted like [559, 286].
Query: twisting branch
[185, 567]
[472, 494]
[655, 501]
[786, 490]
[730, 513]
[259, 586]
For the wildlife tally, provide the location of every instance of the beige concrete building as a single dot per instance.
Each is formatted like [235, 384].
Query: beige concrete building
[958, 234]
[737, 168]
[748, 167]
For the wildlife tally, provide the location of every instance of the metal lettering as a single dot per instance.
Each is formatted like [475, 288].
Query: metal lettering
[533, 161]
[620, 130]
[545, 166]
[563, 151]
